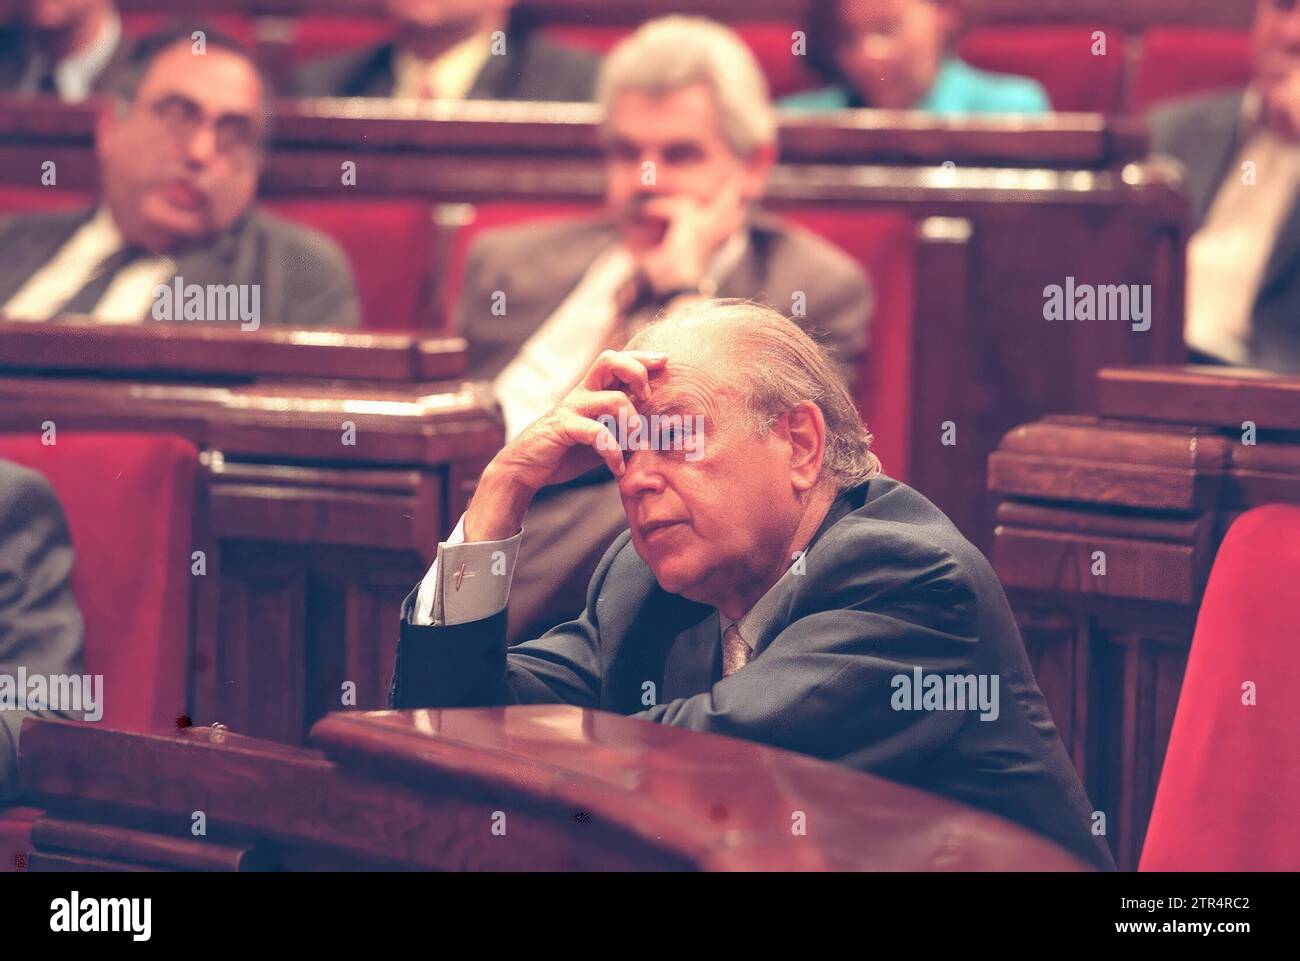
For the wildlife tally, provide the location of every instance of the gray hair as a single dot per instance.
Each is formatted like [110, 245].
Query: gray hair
[778, 366]
[673, 52]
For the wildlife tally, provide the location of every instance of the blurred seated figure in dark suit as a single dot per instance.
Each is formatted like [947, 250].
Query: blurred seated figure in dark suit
[1240, 153]
[41, 631]
[454, 50]
[177, 235]
[690, 139]
[65, 48]
[898, 55]
[773, 586]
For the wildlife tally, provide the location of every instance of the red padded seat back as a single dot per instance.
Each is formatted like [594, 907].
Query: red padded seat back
[129, 500]
[315, 37]
[771, 41]
[884, 243]
[139, 23]
[1060, 58]
[390, 246]
[1183, 61]
[1230, 786]
[16, 200]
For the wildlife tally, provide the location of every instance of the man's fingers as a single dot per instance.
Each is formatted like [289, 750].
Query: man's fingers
[630, 367]
[583, 430]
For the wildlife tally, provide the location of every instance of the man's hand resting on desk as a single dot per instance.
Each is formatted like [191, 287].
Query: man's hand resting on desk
[562, 444]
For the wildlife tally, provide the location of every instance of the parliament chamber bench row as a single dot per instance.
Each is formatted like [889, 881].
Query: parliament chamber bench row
[1152, 51]
[961, 226]
[268, 558]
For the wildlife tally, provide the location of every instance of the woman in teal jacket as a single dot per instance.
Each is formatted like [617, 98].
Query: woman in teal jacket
[897, 55]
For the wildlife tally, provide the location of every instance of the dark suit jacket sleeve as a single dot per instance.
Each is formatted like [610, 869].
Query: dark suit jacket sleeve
[823, 685]
[468, 665]
[40, 626]
[319, 290]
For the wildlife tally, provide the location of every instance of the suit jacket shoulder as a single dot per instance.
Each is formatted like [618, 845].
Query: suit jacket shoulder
[308, 270]
[1201, 133]
[363, 73]
[40, 626]
[533, 68]
[803, 275]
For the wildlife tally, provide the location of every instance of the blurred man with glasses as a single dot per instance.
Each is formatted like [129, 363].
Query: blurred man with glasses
[180, 156]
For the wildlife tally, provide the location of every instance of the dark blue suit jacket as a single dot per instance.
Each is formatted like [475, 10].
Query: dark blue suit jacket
[890, 586]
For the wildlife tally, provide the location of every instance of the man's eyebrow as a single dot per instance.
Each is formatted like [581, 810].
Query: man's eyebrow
[669, 401]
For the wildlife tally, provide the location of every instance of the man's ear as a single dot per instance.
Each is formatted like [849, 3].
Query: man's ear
[806, 430]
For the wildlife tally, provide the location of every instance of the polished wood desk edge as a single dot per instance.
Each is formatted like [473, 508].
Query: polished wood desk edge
[225, 350]
[962, 838]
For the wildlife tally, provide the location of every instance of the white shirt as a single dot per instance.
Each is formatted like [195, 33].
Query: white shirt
[448, 77]
[553, 361]
[128, 299]
[1227, 256]
[75, 76]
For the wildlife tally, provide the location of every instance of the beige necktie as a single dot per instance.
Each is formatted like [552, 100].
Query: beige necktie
[735, 652]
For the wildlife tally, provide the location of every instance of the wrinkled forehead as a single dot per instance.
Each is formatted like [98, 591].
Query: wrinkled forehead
[221, 81]
[700, 376]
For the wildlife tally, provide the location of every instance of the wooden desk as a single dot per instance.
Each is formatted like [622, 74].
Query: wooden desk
[311, 542]
[1026, 204]
[1152, 480]
[519, 788]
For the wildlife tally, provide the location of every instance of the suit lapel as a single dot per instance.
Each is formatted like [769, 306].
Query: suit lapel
[694, 661]
[1207, 169]
[41, 240]
[1285, 251]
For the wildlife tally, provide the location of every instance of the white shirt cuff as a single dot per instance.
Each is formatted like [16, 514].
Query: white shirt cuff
[467, 582]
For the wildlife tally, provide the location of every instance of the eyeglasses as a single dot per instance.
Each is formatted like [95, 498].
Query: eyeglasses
[235, 135]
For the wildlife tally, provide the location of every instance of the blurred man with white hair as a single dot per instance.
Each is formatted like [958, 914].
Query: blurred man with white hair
[690, 139]
[773, 586]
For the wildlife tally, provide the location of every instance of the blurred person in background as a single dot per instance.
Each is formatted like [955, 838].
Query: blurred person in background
[690, 139]
[1240, 154]
[900, 55]
[68, 49]
[180, 155]
[454, 50]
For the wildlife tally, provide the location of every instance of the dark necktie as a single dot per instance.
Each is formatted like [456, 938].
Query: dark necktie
[84, 300]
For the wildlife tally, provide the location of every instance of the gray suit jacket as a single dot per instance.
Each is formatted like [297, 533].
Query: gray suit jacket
[304, 277]
[40, 626]
[531, 69]
[891, 586]
[1204, 135]
[538, 265]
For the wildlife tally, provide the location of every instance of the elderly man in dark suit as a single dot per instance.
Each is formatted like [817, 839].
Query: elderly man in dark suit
[40, 626]
[1240, 151]
[179, 166]
[773, 585]
[454, 50]
[690, 139]
[69, 49]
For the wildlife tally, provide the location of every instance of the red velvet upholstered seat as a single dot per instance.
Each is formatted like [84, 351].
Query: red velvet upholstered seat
[389, 244]
[1059, 58]
[129, 500]
[1230, 786]
[1182, 61]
